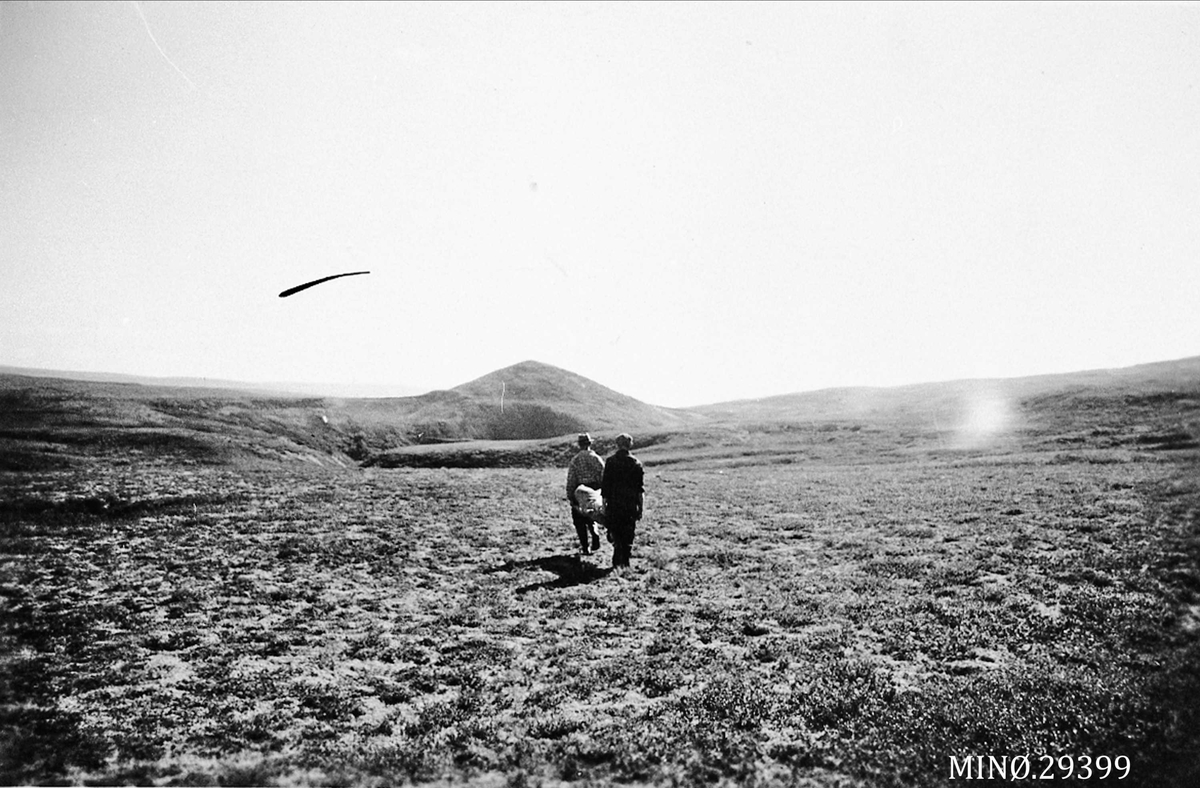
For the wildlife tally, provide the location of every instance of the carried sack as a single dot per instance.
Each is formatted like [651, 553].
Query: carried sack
[590, 502]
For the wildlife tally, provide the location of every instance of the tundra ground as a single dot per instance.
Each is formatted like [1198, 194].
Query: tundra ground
[846, 621]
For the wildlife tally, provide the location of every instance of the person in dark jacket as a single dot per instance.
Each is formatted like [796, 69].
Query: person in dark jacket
[623, 488]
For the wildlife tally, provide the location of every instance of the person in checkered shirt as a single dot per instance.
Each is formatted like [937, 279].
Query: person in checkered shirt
[586, 468]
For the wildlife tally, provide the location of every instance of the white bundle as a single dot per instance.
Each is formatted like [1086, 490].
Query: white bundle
[591, 503]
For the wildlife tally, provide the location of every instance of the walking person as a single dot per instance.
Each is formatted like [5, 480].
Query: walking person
[586, 468]
[623, 488]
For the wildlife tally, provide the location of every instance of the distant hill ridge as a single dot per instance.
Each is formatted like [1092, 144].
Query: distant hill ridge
[1180, 374]
[534, 381]
[46, 421]
[537, 383]
[279, 388]
[527, 400]
[523, 401]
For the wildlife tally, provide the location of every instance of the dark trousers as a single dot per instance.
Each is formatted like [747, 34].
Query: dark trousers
[585, 529]
[621, 526]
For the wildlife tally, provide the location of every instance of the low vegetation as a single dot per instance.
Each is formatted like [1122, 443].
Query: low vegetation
[861, 601]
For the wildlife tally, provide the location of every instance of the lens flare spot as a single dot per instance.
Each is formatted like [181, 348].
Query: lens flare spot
[985, 417]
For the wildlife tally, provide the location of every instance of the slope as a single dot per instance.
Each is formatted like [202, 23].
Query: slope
[48, 421]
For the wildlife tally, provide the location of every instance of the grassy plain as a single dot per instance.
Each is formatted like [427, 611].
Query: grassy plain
[843, 604]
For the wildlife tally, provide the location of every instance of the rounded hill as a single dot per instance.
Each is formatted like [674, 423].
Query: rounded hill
[529, 400]
[536, 400]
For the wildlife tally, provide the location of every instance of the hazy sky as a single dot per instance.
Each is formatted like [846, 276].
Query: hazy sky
[685, 202]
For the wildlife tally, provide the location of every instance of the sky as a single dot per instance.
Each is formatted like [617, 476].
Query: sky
[686, 202]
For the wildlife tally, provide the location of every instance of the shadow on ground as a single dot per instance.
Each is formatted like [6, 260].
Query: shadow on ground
[569, 567]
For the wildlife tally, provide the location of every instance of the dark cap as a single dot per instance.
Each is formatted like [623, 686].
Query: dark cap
[585, 439]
